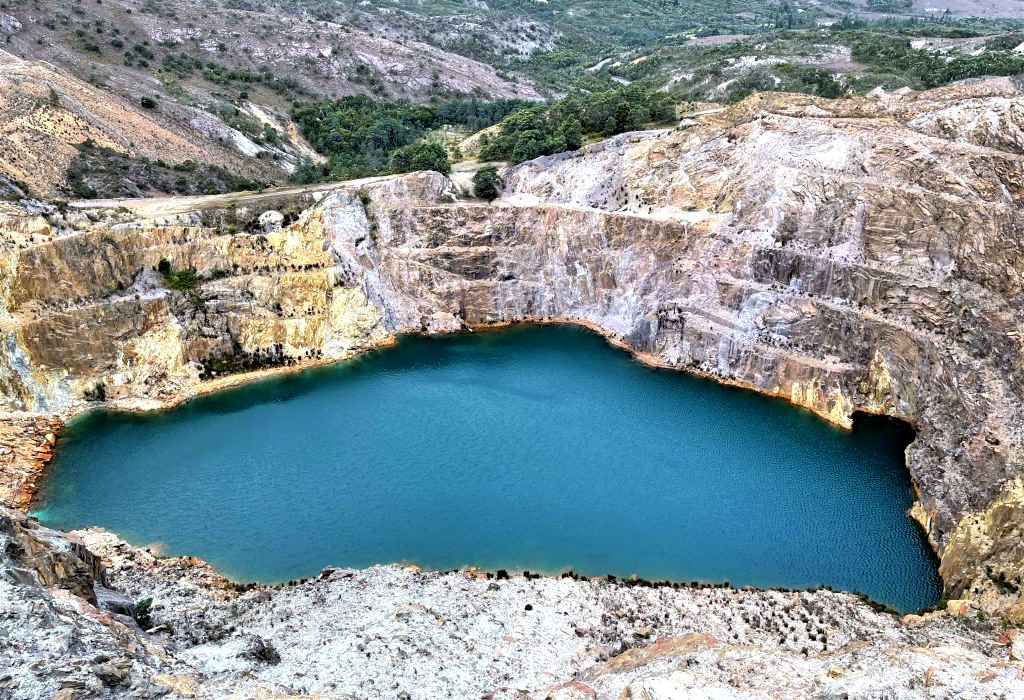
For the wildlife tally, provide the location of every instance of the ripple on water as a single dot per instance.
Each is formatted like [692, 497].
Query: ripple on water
[534, 448]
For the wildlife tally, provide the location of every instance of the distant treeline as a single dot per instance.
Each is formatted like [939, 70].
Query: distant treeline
[362, 136]
[546, 129]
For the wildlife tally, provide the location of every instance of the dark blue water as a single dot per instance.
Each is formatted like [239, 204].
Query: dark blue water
[531, 448]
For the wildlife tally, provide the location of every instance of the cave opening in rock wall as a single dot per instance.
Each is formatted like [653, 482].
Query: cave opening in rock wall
[531, 448]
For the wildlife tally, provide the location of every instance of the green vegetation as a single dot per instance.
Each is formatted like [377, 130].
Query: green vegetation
[852, 55]
[927, 69]
[558, 40]
[362, 136]
[182, 65]
[532, 132]
[143, 612]
[889, 5]
[546, 129]
[98, 392]
[426, 155]
[180, 280]
[147, 102]
[627, 64]
[98, 171]
[487, 183]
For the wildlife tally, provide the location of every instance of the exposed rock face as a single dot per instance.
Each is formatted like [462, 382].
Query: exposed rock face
[385, 631]
[26, 442]
[859, 254]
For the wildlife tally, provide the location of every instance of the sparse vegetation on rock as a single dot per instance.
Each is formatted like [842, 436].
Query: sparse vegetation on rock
[98, 171]
[178, 280]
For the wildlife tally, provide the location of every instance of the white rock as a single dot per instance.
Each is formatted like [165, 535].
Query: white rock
[271, 220]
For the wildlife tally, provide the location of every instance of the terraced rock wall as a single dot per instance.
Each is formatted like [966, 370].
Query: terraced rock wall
[849, 255]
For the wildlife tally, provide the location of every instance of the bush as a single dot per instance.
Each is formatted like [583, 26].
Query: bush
[428, 155]
[181, 281]
[147, 102]
[143, 611]
[262, 651]
[487, 183]
[97, 393]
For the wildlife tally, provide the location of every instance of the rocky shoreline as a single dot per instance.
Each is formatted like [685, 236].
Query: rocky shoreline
[26, 444]
[389, 632]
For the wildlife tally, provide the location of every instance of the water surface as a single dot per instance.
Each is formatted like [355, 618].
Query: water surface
[531, 448]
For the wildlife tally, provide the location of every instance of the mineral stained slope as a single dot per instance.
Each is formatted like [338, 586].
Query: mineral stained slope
[862, 254]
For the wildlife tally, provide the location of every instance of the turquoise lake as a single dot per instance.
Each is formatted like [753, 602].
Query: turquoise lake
[537, 448]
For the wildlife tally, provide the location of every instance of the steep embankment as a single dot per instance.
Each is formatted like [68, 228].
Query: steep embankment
[48, 113]
[858, 254]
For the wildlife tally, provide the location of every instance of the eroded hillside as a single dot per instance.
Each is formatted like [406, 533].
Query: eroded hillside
[48, 115]
[176, 83]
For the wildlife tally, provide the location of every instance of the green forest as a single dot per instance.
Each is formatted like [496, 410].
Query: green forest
[362, 136]
[552, 128]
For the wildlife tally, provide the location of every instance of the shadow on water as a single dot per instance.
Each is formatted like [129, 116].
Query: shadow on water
[535, 448]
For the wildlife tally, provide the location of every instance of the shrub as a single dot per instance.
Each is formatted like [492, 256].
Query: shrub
[97, 393]
[143, 611]
[487, 183]
[262, 651]
[181, 281]
[147, 102]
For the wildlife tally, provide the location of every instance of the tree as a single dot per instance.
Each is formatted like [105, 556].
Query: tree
[431, 155]
[142, 612]
[307, 172]
[487, 183]
[428, 155]
[572, 130]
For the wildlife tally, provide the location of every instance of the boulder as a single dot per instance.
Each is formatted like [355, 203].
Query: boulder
[271, 220]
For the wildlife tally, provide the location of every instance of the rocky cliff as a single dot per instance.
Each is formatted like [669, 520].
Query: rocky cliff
[849, 255]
